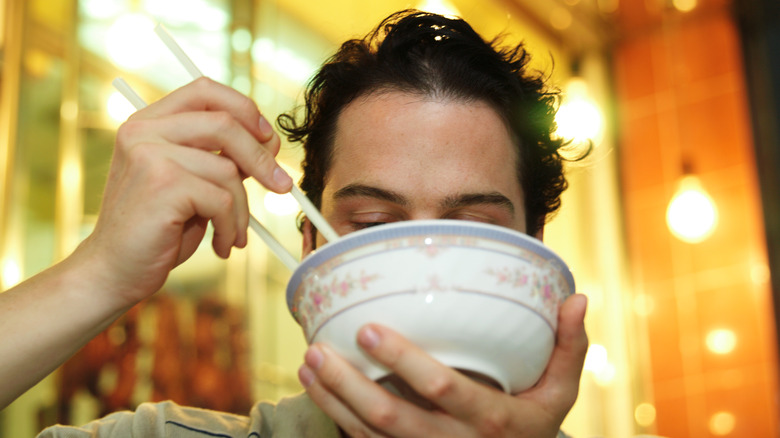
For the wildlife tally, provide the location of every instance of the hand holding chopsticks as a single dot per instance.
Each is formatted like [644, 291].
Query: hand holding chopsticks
[311, 211]
[308, 208]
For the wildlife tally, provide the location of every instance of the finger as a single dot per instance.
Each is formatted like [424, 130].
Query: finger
[220, 171]
[210, 201]
[204, 94]
[371, 403]
[561, 380]
[333, 407]
[191, 236]
[213, 131]
[452, 391]
[176, 196]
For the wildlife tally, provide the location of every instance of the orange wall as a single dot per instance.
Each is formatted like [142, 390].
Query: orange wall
[681, 93]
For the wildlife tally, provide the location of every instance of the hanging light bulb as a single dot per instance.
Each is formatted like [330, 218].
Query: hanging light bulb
[579, 118]
[691, 214]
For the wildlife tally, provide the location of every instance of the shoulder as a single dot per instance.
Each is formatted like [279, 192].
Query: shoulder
[295, 416]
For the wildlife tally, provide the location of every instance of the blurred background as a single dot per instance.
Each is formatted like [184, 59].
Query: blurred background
[672, 226]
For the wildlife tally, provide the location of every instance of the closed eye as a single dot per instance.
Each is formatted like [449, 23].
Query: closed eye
[363, 225]
[473, 218]
[367, 219]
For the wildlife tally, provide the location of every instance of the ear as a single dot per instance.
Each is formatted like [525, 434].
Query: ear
[309, 237]
[540, 234]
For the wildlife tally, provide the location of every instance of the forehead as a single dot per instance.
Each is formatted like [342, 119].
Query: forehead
[426, 151]
[421, 135]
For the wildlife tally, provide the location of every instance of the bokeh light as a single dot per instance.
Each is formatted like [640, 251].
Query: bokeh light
[241, 40]
[118, 108]
[442, 7]
[12, 273]
[722, 423]
[202, 14]
[128, 42]
[684, 5]
[643, 304]
[282, 60]
[598, 364]
[101, 9]
[280, 205]
[560, 18]
[644, 414]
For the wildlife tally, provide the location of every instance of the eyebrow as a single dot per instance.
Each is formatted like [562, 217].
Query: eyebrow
[364, 191]
[469, 199]
[450, 202]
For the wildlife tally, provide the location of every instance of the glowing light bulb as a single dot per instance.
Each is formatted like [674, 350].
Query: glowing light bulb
[691, 214]
[578, 118]
[721, 341]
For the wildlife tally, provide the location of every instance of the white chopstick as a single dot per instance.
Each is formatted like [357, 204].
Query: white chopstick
[281, 252]
[130, 94]
[177, 51]
[308, 208]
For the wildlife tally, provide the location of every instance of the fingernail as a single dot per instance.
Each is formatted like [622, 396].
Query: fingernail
[368, 338]
[306, 376]
[265, 128]
[281, 177]
[313, 358]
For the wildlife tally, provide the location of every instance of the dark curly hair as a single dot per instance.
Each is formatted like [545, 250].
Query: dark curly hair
[432, 55]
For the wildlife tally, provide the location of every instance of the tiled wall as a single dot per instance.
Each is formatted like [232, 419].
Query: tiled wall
[682, 96]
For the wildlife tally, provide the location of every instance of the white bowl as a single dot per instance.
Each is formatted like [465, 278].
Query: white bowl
[480, 298]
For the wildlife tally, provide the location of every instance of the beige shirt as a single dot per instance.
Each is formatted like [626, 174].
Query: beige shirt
[295, 417]
[292, 417]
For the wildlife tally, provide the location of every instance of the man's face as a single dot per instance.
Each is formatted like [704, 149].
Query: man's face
[399, 156]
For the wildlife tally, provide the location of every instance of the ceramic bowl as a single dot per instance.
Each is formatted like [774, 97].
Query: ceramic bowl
[480, 298]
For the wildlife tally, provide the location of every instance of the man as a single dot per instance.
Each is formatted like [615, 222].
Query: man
[424, 120]
[421, 119]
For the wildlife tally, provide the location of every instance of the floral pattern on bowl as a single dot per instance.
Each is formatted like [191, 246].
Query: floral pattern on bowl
[426, 262]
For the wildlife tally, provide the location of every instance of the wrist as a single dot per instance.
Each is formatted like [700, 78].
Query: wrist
[88, 275]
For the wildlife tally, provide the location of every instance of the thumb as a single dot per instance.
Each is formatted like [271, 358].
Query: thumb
[561, 380]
